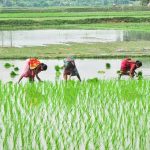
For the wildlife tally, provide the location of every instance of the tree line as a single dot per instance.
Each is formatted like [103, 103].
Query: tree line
[47, 3]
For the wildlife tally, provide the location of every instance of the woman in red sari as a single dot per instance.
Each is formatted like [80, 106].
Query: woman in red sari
[129, 66]
[32, 68]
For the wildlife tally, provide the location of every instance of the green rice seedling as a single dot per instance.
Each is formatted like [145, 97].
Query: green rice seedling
[108, 66]
[16, 69]
[118, 72]
[57, 68]
[10, 82]
[110, 114]
[93, 80]
[140, 75]
[58, 71]
[13, 74]
[7, 65]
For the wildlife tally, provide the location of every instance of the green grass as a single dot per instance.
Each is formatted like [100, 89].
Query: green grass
[93, 50]
[117, 26]
[75, 20]
[92, 114]
[74, 15]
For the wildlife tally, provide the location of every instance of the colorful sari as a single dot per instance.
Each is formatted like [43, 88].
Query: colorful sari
[30, 65]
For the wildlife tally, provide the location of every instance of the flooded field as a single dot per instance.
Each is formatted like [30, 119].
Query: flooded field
[44, 37]
[88, 68]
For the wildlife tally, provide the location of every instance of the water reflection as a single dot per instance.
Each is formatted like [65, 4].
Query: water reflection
[44, 37]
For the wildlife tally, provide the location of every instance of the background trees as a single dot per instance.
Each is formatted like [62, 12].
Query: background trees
[46, 3]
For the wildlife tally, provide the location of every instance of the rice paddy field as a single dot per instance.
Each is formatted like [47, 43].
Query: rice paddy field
[93, 114]
[72, 15]
[73, 18]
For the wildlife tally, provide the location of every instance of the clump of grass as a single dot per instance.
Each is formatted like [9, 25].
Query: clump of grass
[58, 71]
[118, 72]
[93, 80]
[57, 68]
[13, 74]
[7, 65]
[140, 75]
[10, 82]
[108, 66]
[33, 95]
[16, 69]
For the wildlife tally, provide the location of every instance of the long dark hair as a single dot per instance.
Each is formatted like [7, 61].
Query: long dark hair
[44, 66]
[138, 63]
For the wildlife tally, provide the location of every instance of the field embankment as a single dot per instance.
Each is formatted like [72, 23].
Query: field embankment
[79, 50]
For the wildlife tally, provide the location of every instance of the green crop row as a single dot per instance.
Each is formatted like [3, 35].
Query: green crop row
[93, 114]
[81, 20]
[75, 14]
[62, 22]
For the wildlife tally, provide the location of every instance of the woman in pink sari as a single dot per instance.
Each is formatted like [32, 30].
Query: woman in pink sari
[32, 68]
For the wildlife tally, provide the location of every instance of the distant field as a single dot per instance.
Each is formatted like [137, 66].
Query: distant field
[93, 50]
[75, 20]
[74, 15]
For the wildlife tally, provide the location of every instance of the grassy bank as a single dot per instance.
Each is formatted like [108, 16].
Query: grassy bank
[17, 25]
[73, 15]
[71, 116]
[117, 26]
[93, 50]
[75, 20]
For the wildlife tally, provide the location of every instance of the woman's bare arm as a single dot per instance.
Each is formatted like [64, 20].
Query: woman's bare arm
[38, 77]
[20, 78]
[36, 73]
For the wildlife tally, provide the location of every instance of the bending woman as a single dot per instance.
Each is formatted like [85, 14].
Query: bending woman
[128, 67]
[70, 69]
[32, 68]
